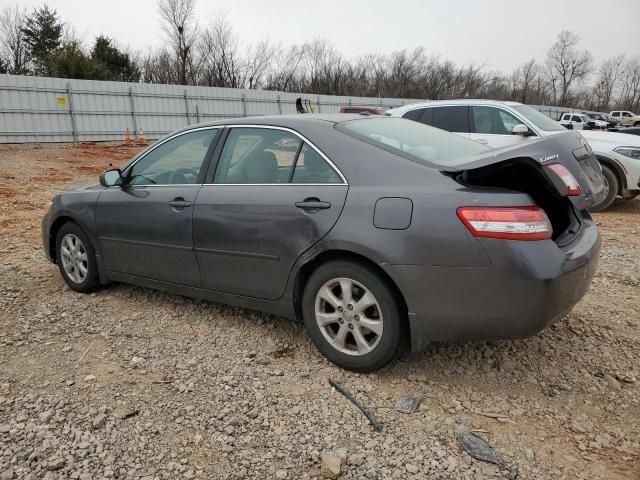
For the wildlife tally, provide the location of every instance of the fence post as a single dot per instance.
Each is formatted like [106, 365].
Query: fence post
[244, 106]
[133, 113]
[74, 128]
[186, 106]
[279, 105]
[197, 113]
[318, 103]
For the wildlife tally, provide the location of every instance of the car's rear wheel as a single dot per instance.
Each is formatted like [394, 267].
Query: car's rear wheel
[611, 187]
[352, 316]
[76, 259]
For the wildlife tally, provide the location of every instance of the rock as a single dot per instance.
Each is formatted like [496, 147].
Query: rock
[613, 383]
[5, 428]
[281, 474]
[98, 421]
[356, 459]
[408, 404]
[125, 412]
[55, 464]
[45, 416]
[89, 378]
[67, 348]
[580, 424]
[331, 466]
[625, 377]
[531, 456]
[7, 474]
[411, 468]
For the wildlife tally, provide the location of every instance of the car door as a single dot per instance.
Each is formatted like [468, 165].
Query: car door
[145, 226]
[492, 126]
[577, 122]
[272, 196]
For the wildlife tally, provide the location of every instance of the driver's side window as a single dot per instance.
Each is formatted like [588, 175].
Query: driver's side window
[176, 162]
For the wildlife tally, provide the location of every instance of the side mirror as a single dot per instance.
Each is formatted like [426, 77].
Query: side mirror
[520, 129]
[111, 177]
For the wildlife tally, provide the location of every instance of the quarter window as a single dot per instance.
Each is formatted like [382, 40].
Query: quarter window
[312, 168]
[176, 161]
[414, 114]
[257, 155]
[576, 119]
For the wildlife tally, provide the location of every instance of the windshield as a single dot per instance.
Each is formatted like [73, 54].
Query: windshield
[413, 140]
[539, 119]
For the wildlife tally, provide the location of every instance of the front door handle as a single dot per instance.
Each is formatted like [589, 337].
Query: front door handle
[179, 203]
[480, 140]
[312, 204]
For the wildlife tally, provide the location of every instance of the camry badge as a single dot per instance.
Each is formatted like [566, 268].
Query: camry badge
[549, 158]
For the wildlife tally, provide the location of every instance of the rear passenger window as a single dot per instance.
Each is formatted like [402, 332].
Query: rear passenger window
[312, 168]
[257, 155]
[452, 119]
[414, 114]
[576, 119]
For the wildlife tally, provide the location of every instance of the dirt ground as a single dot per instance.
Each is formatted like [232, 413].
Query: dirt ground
[133, 383]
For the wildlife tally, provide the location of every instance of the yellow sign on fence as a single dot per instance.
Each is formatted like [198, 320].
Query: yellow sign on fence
[61, 100]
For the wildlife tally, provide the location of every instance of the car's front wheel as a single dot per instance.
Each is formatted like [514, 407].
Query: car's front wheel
[352, 316]
[76, 259]
[611, 189]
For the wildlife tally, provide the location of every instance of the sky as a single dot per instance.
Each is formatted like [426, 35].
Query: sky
[499, 34]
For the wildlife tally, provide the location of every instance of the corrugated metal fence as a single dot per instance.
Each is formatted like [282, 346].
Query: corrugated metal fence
[41, 109]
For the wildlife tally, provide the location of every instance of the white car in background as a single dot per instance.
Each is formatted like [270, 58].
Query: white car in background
[579, 121]
[626, 118]
[498, 124]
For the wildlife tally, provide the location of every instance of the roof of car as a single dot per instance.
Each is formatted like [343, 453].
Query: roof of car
[284, 120]
[475, 101]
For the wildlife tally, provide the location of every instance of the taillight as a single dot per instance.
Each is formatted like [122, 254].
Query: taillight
[511, 223]
[571, 184]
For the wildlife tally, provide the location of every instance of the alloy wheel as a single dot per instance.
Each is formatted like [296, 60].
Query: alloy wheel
[349, 316]
[75, 260]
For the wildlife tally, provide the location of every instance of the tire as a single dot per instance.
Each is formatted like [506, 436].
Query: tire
[78, 269]
[374, 350]
[637, 124]
[613, 184]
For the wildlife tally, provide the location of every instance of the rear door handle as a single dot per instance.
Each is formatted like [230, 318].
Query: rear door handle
[179, 203]
[480, 140]
[312, 204]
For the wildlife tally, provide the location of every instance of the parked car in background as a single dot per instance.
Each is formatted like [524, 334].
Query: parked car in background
[497, 124]
[625, 118]
[604, 121]
[375, 232]
[598, 121]
[363, 109]
[575, 121]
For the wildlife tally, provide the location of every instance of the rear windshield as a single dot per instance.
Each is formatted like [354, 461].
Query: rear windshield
[413, 140]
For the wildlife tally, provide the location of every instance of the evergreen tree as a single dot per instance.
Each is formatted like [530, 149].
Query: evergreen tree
[42, 34]
[70, 61]
[119, 64]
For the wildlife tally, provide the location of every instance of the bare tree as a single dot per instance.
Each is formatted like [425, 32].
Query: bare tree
[610, 72]
[180, 25]
[221, 62]
[567, 65]
[13, 49]
[630, 85]
[258, 58]
[284, 68]
[522, 81]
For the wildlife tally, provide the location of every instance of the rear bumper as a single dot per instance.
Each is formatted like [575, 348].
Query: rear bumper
[528, 286]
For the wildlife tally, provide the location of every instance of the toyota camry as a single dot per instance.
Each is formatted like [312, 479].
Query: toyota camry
[377, 233]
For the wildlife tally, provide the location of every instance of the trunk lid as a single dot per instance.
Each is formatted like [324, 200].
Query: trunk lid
[569, 149]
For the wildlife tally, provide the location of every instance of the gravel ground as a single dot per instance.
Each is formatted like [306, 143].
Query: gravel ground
[133, 383]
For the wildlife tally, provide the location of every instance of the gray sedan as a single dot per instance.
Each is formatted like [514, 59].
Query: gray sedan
[377, 233]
